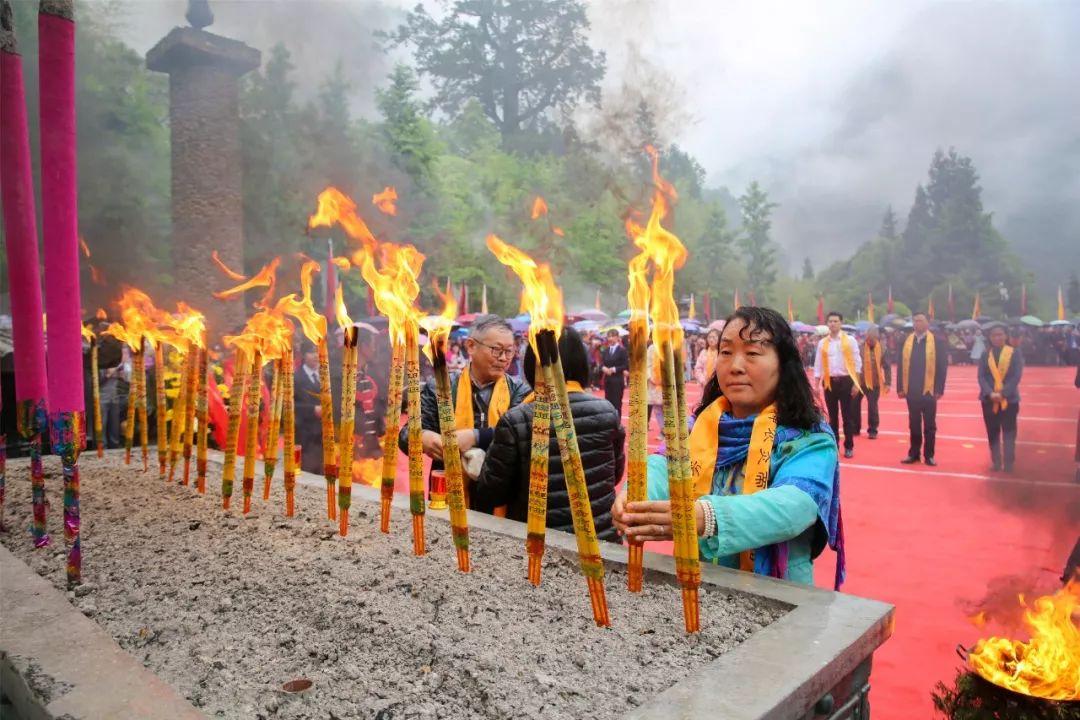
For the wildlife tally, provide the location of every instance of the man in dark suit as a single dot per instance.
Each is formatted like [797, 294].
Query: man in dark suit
[876, 377]
[922, 387]
[614, 361]
[309, 411]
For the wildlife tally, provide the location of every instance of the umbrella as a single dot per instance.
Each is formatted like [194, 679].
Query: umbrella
[518, 325]
[1031, 320]
[799, 326]
[586, 325]
[886, 319]
[822, 330]
[625, 314]
[716, 325]
[848, 328]
[623, 332]
[367, 327]
[969, 324]
[593, 314]
[690, 325]
[1060, 323]
[863, 325]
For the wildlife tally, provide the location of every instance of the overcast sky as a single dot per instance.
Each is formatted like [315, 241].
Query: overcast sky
[835, 105]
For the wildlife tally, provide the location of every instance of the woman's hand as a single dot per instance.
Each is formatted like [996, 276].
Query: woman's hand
[650, 520]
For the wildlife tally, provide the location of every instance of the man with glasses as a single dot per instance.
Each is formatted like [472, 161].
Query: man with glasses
[478, 403]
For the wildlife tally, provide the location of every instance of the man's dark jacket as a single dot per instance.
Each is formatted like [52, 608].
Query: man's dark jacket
[918, 367]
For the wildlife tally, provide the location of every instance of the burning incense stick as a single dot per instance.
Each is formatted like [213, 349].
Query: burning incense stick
[201, 410]
[393, 420]
[236, 402]
[254, 399]
[536, 529]
[133, 396]
[459, 519]
[592, 566]
[348, 423]
[270, 451]
[162, 408]
[638, 447]
[179, 411]
[189, 410]
[289, 432]
[95, 382]
[416, 457]
[330, 468]
[140, 406]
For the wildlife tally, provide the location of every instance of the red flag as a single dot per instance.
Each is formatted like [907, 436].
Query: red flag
[952, 306]
[331, 283]
[1023, 299]
[890, 307]
[753, 300]
[821, 310]
[463, 299]
[370, 302]
[737, 303]
[706, 307]
[930, 308]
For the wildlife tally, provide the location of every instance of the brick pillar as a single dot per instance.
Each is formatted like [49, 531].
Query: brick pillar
[207, 182]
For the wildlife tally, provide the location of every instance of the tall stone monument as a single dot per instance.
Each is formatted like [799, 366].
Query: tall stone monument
[207, 196]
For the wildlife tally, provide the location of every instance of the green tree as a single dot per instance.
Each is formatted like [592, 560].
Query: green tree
[807, 269]
[888, 225]
[759, 249]
[408, 134]
[1073, 293]
[521, 59]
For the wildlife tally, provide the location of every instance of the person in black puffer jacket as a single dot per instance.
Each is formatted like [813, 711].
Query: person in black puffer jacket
[504, 478]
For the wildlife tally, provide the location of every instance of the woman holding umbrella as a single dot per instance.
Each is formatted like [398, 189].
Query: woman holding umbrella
[999, 391]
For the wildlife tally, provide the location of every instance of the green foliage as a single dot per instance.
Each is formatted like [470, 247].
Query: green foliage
[972, 698]
[520, 59]
[1072, 293]
[409, 135]
[807, 269]
[888, 225]
[756, 243]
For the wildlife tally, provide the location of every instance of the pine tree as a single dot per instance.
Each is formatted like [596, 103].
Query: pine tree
[756, 243]
[1073, 293]
[888, 225]
[807, 269]
[407, 133]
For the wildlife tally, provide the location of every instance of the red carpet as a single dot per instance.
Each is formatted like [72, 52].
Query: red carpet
[941, 543]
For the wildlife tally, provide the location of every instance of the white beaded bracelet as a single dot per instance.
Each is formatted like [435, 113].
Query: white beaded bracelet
[710, 518]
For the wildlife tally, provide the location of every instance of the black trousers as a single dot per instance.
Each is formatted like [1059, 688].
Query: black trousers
[839, 402]
[613, 390]
[873, 418]
[1001, 431]
[922, 423]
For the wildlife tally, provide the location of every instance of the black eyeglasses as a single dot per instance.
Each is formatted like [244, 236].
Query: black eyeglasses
[497, 352]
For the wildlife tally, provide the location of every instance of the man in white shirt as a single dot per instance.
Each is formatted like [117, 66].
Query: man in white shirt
[838, 373]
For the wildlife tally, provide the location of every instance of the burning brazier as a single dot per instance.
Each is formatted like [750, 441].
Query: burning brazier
[229, 608]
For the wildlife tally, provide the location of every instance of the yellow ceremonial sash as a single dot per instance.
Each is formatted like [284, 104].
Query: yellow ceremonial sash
[571, 386]
[703, 447]
[998, 368]
[931, 363]
[463, 406]
[849, 361]
[873, 381]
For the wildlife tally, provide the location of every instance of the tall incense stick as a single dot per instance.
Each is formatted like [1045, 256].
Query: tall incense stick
[236, 402]
[330, 468]
[140, 406]
[289, 430]
[536, 528]
[201, 410]
[393, 421]
[190, 407]
[592, 566]
[162, 408]
[270, 452]
[417, 505]
[179, 412]
[252, 448]
[99, 441]
[348, 424]
[455, 482]
[638, 450]
[132, 413]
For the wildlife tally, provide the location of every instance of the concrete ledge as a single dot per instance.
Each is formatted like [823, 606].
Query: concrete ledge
[57, 663]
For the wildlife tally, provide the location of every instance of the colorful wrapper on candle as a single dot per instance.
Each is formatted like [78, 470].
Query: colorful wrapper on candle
[66, 436]
[140, 406]
[132, 411]
[536, 526]
[252, 449]
[59, 206]
[236, 403]
[179, 413]
[348, 424]
[416, 445]
[330, 469]
[455, 482]
[32, 420]
[393, 420]
[289, 431]
[95, 384]
[189, 410]
[270, 453]
[162, 408]
[202, 410]
[592, 566]
[638, 446]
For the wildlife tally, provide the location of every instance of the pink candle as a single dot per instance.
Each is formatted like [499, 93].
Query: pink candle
[60, 225]
[17, 192]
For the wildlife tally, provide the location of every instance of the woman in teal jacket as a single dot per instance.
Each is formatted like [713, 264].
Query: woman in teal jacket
[757, 419]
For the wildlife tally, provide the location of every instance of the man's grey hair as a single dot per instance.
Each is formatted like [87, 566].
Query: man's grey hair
[486, 323]
[872, 331]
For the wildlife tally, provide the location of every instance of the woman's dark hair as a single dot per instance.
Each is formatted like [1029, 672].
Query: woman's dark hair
[794, 399]
[713, 331]
[575, 360]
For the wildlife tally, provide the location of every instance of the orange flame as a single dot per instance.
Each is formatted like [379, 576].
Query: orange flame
[666, 253]
[101, 314]
[341, 312]
[337, 207]
[186, 324]
[439, 326]
[1048, 665]
[96, 276]
[84, 246]
[541, 297]
[558, 231]
[385, 200]
[140, 319]
[311, 322]
[231, 274]
[539, 207]
[395, 286]
[87, 333]
[267, 277]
